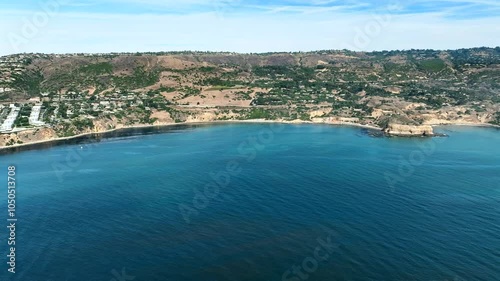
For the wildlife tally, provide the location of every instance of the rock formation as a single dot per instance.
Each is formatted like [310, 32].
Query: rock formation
[408, 130]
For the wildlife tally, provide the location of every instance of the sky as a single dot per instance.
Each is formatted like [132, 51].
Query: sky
[101, 26]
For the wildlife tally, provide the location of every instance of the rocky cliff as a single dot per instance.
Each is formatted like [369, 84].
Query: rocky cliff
[408, 130]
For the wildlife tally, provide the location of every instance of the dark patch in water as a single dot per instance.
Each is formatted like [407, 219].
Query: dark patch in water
[97, 137]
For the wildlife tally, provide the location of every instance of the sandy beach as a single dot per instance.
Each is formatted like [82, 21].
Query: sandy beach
[253, 121]
[91, 135]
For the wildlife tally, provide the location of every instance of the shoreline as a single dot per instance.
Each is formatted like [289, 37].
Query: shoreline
[483, 125]
[84, 137]
[116, 132]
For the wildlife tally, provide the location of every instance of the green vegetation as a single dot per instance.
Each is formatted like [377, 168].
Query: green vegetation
[242, 95]
[188, 91]
[207, 69]
[166, 89]
[82, 124]
[496, 119]
[97, 68]
[218, 82]
[62, 112]
[22, 121]
[139, 79]
[29, 82]
[400, 86]
[432, 65]
[258, 113]
[23, 117]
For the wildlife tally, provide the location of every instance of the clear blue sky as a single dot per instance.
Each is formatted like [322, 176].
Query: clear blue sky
[62, 26]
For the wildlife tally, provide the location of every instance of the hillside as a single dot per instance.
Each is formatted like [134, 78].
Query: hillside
[64, 95]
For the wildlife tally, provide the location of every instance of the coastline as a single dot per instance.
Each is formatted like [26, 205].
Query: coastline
[483, 125]
[161, 128]
[86, 137]
[116, 132]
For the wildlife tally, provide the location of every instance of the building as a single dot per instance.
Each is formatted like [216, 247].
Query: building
[35, 115]
[11, 118]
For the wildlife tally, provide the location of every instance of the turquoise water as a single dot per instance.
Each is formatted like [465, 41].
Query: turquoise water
[259, 202]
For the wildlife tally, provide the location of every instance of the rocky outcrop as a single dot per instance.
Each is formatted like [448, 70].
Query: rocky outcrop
[408, 130]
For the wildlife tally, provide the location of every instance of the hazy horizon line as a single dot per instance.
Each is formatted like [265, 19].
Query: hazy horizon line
[252, 53]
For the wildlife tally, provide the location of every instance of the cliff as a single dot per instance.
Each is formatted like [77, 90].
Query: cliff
[408, 130]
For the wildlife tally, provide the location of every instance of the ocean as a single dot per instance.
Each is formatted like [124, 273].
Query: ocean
[257, 202]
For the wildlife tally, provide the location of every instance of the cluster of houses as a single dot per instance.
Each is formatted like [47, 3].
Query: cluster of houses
[75, 103]
[7, 126]
[81, 104]
[8, 123]
[35, 115]
[10, 66]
